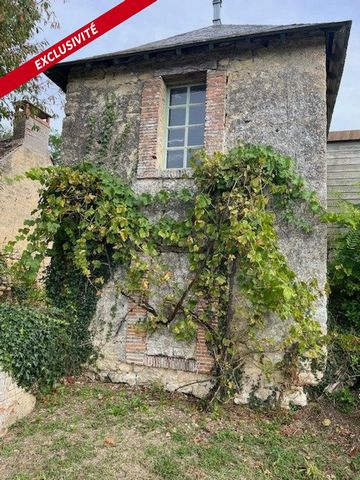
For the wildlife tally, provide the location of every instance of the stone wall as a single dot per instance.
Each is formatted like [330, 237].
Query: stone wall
[15, 403]
[279, 99]
[274, 95]
[18, 199]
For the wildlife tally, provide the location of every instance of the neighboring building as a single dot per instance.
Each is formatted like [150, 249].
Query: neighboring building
[343, 173]
[273, 85]
[27, 148]
[343, 159]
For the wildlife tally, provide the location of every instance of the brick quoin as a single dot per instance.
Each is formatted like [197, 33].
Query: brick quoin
[151, 127]
[204, 361]
[151, 150]
[135, 346]
[215, 111]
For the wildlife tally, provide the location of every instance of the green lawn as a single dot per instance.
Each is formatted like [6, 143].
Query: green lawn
[88, 432]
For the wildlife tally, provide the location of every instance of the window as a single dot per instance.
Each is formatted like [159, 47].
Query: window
[185, 124]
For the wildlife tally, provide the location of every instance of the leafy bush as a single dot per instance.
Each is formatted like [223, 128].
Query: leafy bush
[34, 345]
[345, 399]
[343, 369]
[344, 278]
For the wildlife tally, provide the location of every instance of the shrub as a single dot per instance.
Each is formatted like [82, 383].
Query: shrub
[34, 345]
[343, 370]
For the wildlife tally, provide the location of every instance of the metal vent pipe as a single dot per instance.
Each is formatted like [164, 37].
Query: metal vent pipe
[217, 12]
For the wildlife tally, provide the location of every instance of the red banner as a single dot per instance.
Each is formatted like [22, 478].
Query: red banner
[71, 44]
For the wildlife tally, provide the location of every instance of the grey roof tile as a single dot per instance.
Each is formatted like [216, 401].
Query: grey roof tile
[204, 35]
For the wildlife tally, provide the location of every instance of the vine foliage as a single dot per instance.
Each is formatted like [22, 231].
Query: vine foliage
[89, 222]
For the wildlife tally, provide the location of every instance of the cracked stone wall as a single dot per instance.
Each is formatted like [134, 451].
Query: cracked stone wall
[274, 95]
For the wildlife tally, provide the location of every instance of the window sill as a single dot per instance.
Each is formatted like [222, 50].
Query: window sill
[167, 173]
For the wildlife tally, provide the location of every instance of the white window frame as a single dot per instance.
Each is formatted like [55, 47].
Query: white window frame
[185, 148]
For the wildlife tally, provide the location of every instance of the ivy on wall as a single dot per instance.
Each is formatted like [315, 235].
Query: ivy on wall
[89, 222]
[35, 347]
[103, 143]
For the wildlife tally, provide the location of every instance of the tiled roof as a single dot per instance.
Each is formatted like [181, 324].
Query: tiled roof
[204, 35]
[344, 136]
[213, 33]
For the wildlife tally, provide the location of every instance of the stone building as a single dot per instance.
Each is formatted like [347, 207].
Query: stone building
[28, 148]
[143, 111]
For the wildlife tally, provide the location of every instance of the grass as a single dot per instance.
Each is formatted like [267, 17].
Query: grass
[93, 432]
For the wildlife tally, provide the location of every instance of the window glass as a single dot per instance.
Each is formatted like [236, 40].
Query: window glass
[178, 96]
[177, 116]
[196, 114]
[190, 155]
[176, 137]
[197, 94]
[175, 159]
[196, 136]
[185, 124]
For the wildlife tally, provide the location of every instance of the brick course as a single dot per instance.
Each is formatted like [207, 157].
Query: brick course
[204, 361]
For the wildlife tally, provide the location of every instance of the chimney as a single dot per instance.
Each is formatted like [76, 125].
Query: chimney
[217, 12]
[32, 126]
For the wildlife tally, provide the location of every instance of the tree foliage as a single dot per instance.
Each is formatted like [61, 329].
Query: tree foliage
[21, 23]
[55, 145]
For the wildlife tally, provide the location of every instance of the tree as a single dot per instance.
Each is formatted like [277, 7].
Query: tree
[5, 133]
[20, 22]
[55, 143]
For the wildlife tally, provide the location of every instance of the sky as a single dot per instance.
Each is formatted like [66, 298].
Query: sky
[170, 17]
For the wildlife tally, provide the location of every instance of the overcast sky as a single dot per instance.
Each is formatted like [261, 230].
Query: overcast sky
[171, 17]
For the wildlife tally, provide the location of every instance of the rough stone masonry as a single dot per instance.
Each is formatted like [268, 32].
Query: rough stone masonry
[28, 148]
[264, 85]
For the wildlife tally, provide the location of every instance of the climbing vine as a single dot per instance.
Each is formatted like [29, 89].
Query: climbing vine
[89, 223]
